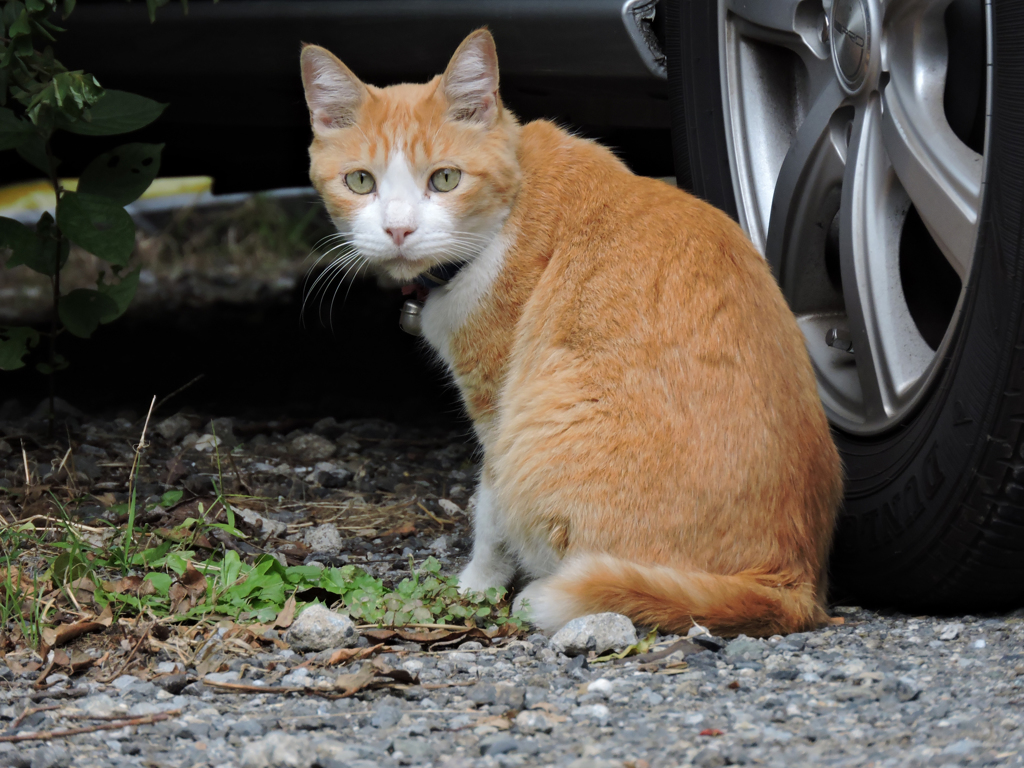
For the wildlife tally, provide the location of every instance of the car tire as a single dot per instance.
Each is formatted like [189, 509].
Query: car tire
[933, 517]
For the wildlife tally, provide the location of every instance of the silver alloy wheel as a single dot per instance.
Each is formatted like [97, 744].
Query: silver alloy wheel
[836, 132]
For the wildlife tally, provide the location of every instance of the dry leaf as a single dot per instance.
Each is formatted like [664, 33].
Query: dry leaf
[345, 655]
[107, 499]
[408, 529]
[497, 721]
[127, 584]
[169, 534]
[106, 618]
[188, 589]
[83, 587]
[287, 615]
[437, 637]
[176, 470]
[836, 621]
[20, 580]
[351, 684]
[179, 598]
[80, 661]
[57, 636]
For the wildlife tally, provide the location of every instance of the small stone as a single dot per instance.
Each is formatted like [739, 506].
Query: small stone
[223, 677]
[14, 757]
[327, 426]
[417, 749]
[224, 429]
[949, 632]
[323, 538]
[51, 756]
[278, 750]
[744, 647]
[249, 727]
[533, 721]
[329, 476]
[5, 449]
[962, 747]
[266, 526]
[599, 632]
[208, 443]
[174, 428]
[449, 507]
[796, 641]
[386, 716]
[482, 694]
[500, 744]
[774, 735]
[907, 690]
[594, 762]
[310, 449]
[317, 628]
[510, 696]
[101, 705]
[600, 686]
[708, 758]
[598, 712]
[125, 681]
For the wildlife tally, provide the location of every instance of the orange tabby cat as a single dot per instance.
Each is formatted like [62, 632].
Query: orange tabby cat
[653, 440]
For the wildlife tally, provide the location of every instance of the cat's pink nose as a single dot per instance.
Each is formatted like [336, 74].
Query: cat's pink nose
[398, 234]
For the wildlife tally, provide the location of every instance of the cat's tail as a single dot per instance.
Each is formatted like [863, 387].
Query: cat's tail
[754, 603]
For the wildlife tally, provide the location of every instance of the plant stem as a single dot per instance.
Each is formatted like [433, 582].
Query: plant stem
[55, 317]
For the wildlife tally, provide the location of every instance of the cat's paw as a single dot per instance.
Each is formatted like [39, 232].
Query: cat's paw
[521, 605]
[478, 578]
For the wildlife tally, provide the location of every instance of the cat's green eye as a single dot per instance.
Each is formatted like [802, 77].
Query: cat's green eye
[445, 179]
[360, 182]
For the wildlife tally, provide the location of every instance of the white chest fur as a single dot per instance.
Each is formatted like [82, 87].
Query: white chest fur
[448, 308]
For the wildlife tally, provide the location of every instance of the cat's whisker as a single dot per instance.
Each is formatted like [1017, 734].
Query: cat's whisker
[306, 288]
[325, 277]
[358, 265]
[336, 269]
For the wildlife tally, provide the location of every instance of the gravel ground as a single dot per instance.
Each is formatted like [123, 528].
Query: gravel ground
[879, 689]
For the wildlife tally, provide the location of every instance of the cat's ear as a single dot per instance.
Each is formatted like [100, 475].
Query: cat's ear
[470, 83]
[333, 93]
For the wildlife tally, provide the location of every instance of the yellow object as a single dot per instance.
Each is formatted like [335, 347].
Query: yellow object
[38, 195]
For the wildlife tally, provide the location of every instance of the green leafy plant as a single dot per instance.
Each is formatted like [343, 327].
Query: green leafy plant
[40, 97]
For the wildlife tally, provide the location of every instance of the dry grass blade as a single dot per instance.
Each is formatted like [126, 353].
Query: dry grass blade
[46, 735]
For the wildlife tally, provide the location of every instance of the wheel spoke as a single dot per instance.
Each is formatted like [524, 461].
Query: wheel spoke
[940, 173]
[804, 200]
[795, 24]
[890, 352]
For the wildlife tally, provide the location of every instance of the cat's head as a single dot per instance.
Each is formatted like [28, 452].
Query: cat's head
[414, 175]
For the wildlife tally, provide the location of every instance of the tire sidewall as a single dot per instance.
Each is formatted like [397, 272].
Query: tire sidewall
[918, 496]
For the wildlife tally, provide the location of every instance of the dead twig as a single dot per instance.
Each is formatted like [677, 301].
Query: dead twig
[31, 711]
[178, 391]
[24, 458]
[142, 443]
[66, 693]
[46, 735]
[128, 661]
